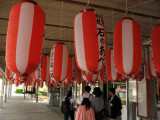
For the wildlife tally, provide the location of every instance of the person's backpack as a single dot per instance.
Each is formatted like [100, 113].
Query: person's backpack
[65, 106]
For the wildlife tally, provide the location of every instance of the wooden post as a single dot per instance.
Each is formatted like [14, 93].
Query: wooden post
[2, 91]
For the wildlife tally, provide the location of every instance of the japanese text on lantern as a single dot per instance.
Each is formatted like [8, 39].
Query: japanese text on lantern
[101, 36]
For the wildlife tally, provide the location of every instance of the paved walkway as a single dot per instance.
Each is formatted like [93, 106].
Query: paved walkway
[17, 108]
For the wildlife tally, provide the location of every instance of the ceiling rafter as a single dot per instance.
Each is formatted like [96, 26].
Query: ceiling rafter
[110, 8]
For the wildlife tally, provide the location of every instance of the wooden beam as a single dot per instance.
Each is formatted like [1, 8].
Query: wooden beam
[109, 8]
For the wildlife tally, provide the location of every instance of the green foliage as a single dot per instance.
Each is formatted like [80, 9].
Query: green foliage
[39, 94]
[19, 91]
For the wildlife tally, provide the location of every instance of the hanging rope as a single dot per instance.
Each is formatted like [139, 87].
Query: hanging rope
[151, 23]
[69, 38]
[113, 20]
[89, 3]
[61, 21]
[126, 8]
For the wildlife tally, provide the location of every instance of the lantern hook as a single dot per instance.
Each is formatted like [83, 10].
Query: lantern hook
[126, 8]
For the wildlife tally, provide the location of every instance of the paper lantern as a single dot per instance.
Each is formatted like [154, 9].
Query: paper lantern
[62, 84]
[152, 70]
[155, 47]
[103, 75]
[40, 84]
[48, 84]
[89, 77]
[9, 74]
[24, 38]
[111, 71]
[139, 75]
[55, 84]
[17, 81]
[58, 62]
[33, 82]
[71, 70]
[79, 77]
[127, 46]
[71, 84]
[89, 40]
[43, 68]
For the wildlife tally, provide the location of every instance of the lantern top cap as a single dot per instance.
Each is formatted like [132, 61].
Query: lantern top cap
[127, 18]
[29, 1]
[86, 10]
[157, 25]
[60, 43]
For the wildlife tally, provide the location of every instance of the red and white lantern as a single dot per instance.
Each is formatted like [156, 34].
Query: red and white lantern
[17, 81]
[152, 70]
[59, 62]
[139, 75]
[55, 84]
[155, 47]
[127, 46]
[79, 77]
[48, 84]
[103, 75]
[89, 40]
[43, 68]
[9, 73]
[40, 84]
[71, 71]
[33, 82]
[24, 38]
[112, 74]
[89, 77]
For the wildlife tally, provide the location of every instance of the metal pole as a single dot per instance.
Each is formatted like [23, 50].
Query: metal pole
[127, 98]
[5, 99]
[2, 91]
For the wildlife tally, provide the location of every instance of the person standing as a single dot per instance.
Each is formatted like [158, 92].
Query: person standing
[67, 107]
[87, 94]
[98, 104]
[115, 105]
[85, 111]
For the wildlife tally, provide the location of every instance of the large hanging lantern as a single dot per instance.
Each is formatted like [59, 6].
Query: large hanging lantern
[89, 77]
[17, 81]
[24, 38]
[139, 75]
[71, 70]
[43, 69]
[111, 71]
[55, 84]
[33, 84]
[155, 47]
[58, 62]
[152, 70]
[103, 75]
[9, 73]
[48, 84]
[89, 40]
[127, 46]
[79, 77]
[40, 84]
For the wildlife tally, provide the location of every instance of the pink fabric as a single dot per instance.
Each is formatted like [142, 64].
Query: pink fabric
[83, 114]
